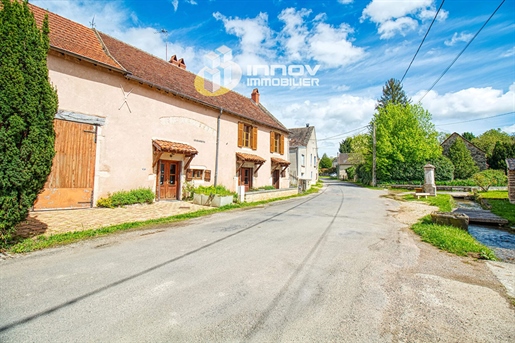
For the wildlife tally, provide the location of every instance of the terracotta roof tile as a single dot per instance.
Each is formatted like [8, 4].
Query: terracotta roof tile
[73, 37]
[249, 158]
[174, 147]
[166, 75]
[280, 161]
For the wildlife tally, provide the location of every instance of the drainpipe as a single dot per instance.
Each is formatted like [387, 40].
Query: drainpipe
[217, 145]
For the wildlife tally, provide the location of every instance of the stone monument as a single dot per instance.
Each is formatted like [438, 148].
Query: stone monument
[429, 179]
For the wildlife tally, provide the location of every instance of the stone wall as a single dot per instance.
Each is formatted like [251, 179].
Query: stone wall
[511, 186]
[477, 154]
[272, 194]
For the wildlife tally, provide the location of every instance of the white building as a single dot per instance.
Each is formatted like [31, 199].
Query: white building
[303, 155]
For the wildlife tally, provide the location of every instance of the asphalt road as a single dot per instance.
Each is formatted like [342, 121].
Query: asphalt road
[330, 267]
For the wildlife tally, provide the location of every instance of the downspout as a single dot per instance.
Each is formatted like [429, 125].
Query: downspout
[217, 145]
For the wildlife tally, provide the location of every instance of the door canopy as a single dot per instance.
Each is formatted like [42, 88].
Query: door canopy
[161, 147]
[241, 158]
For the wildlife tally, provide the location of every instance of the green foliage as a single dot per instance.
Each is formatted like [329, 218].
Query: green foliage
[406, 139]
[364, 173]
[488, 178]
[351, 173]
[464, 164]
[325, 162]
[346, 145]
[487, 140]
[452, 239]
[501, 151]
[28, 104]
[393, 94]
[208, 190]
[503, 208]
[444, 169]
[122, 198]
[263, 188]
[499, 195]
[188, 189]
[468, 136]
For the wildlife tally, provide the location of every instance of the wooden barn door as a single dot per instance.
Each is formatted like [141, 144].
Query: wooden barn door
[70, 184]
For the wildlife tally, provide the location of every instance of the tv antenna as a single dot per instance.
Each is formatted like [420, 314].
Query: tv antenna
[92, 23]
[165, 33]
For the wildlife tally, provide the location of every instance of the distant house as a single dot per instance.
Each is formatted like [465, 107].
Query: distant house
[130, 120]
[477, 154]
[510, 162]
[344, 161]
[303, 155]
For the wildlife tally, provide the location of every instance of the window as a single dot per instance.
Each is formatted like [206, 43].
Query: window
[276, 142]
[247, 136]
[302, 162]
[197, 174]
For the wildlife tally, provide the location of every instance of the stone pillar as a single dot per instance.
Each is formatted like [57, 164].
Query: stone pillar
[429, 179]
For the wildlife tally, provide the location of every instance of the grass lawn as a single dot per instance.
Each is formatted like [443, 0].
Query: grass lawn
[503, 208]
[448, 238]
[493, 195]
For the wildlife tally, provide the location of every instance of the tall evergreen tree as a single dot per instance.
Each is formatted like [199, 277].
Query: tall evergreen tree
[28, 104]
[468, 136]
[464, 165]
[393, 93]
[346, 145]
[501, 152]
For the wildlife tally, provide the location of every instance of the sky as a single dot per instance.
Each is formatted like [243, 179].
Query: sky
[343, 50]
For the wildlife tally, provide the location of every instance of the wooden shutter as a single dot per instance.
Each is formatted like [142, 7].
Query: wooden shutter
[189, 174]
[272, 141]
[240, 134]
[207, 175]
[254, 137]
[281, 145]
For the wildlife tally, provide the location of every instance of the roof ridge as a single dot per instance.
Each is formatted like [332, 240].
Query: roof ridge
[104, 47]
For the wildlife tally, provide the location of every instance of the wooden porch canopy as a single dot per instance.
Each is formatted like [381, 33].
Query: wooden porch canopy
[241, 158]
[279, 163]
[161, 147]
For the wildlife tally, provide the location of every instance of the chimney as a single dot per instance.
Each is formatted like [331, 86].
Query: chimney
[178, 63]
[307, 124]
[255, 96]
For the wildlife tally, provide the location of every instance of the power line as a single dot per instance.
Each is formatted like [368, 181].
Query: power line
[465, 48]
[427, 32]
[477, 119]
[341, 134]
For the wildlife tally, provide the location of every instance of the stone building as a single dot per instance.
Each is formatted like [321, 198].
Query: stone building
[477, 154]
[510, 162]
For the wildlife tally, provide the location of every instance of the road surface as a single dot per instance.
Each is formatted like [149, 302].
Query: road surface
[336, 266]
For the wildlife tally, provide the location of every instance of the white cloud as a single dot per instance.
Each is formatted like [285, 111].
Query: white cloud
[299, 40]
[509, 52]
[399, 17]
[462, 37]
[345, 2]
[175, 4]
[509, 129]
[469, 103]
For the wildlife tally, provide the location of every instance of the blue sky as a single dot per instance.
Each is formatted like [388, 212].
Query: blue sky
[358, 46]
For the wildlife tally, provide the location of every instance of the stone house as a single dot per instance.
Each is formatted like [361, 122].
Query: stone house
[128, 120]
[477, 154]
[303, 155]
[344, 161]
[510, 163]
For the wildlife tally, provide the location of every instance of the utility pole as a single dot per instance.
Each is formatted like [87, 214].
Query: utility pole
[374, 181]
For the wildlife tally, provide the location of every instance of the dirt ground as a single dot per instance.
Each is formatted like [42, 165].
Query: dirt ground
[460, 297]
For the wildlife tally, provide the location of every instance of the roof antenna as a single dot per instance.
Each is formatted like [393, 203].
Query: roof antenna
[92, 23]
[165, 33]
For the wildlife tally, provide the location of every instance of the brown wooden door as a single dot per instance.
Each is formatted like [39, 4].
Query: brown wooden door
[246, 178]
[275, 178]
[70, 183]
[168, 179]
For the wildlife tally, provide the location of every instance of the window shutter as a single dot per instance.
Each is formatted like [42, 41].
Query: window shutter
[281, 145]
[189, 174]
[254, 137]
[272, 141]
[207, 175]
[240, 134]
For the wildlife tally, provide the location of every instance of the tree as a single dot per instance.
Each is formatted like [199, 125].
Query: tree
[486, 141]
[346, 145]
[464, 165]
[406, 138]
[502, 151]
[488, 178]
[28, 104]
[393, 93]
[468, 136]
[325, 162]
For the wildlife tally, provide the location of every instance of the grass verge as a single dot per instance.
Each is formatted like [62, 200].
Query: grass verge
[452, 239]
[448, 238]
[60, 239]
[503, 208]
[493, 195]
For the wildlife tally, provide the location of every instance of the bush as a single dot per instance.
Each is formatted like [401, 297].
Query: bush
[488, 178]
[218, 190]
[444, 169]
[351, 173]
[364, 173]
[122, 198]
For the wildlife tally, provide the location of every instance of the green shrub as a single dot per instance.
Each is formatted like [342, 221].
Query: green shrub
[218, 190]
[122, 198]
[351, 172]
[488, 178]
